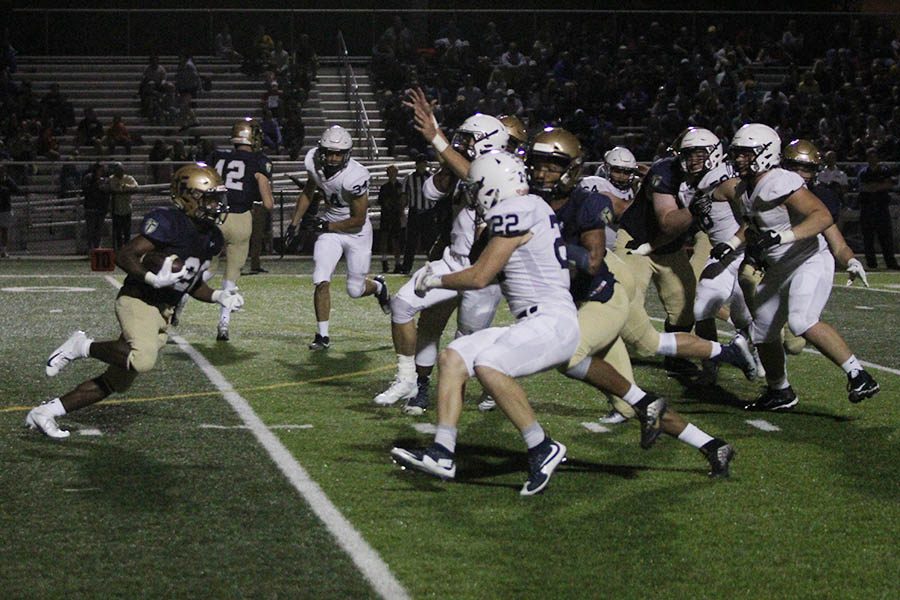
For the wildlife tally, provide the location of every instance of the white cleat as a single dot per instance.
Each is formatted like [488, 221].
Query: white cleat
[69, 351]
[401, 389]
[40, 418]
[487, 403]
[613, 417]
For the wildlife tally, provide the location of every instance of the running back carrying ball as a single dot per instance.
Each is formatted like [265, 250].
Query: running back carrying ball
[153, 261]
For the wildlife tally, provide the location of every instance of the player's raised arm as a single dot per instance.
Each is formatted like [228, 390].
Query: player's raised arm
[427, 125]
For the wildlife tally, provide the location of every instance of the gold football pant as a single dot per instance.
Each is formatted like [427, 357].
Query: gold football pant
[144, 330]
[236, 230]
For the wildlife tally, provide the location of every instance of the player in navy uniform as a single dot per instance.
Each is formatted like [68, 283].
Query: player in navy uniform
[247, 174]
[147, 300]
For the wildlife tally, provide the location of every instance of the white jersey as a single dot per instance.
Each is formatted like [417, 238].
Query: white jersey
[350, 182]
[595, 183]
[537, 274]
[462, 233]
[765, 209]
[722, 224]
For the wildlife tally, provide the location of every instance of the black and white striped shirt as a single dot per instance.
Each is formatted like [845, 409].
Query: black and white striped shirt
[412, 187]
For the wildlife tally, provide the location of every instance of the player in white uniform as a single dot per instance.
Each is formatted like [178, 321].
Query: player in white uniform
[344, 228]
[783, 233]
[525, 245]
[616, 178]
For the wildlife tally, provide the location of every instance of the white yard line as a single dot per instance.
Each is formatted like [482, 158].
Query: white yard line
[373, 568]
[595, 427]
[763, 425]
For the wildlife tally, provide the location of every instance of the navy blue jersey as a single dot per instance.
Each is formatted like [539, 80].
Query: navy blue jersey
[664, 177]
[829, 198]
[586, 211]
[173, 232]
[238, 169]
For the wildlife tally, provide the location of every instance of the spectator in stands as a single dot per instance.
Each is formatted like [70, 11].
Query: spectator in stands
[160, 158]
[69, 181]
[95, 190]
[471, 92]
[513, 64]
[58, 112]
[390, 198]
[280, 59]
[875, 184]
[271, 99]
[832, 176]
[293, 133]
[187, 85]
[121, 187]
[180, 154]
[89, 132]
[271, 130]
[263, 46]
[420, 222]
[117, 135]
[224, 47]
[8, 188]
[47, 144]
[305, 59]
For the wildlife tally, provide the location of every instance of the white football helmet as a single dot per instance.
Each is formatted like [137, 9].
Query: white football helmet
[479, 134]
[494, 177]
[334, 140]
[764, 143]
[622, 160]
[697, 137]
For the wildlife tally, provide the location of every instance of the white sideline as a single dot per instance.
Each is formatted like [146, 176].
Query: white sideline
[373, 568]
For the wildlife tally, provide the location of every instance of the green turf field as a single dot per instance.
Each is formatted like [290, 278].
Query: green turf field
[165, 492]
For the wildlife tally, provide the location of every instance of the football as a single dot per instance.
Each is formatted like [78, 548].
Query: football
[152, 261]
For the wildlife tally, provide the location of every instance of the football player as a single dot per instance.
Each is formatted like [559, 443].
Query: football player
[146, 301]
[344, 229]
[554, 162]
[417, 347]
[525, 244]
[656, 226]
[518, 135]
[247, 174]
[783, 229]
[616, 179]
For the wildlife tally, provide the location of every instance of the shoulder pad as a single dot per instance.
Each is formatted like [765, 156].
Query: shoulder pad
[356, 179]
[777, 185]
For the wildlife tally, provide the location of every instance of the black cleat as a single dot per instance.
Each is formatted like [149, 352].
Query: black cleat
[542, 462]
[222, 333]
[320, 342]
[418, 404]
[384, 296]
[861, 386]
[435, 460]
[650, 410]
[773, 400]
[719, 454]
[679, 367]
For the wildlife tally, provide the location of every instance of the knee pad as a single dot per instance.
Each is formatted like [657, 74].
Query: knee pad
[793, 344]
[401, 310]
[356, 285]
[141, 361]
[578, 371]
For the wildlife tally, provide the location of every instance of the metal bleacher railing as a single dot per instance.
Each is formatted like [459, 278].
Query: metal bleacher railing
[351, 87]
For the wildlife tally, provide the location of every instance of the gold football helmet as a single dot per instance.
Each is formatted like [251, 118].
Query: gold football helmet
[198, 190]
[247, 132]
[802, 153]
[518, 136]
[556, 146]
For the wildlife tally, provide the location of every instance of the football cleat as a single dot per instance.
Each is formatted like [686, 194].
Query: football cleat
[719, 454]
[384, 296]
[417, 405]
[222, 333]
[771, 399]
[650, 410]
[72, 348]
[679, 367]
[435, 460]
[738, 353]
[320, 342]
[861, 386]
[40, 418]
[613, 417]
[709, 372]
[542, 462]
[400, 389]
[486, 403]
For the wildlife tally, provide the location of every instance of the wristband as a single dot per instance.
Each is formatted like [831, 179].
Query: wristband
[433, 281]
[439, 143]
[434, 120]
[150, 278]
[734, 242]
[787, 236]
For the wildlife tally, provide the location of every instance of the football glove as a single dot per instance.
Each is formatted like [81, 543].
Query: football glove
[642, 250]
[228, 299]
[701, 206]
[317, 225]
[290, 236]
[165, 277]
[855, 269]
[770, 239]
[426, 280]
[721, 251]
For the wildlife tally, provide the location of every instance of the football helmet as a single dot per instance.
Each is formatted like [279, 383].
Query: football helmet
[247, 132]
[802, 153]
[695, 138]
[494, 177]
[518, 135]
[479, 134]
[762, 144]
[198, 190]
[337, 143]
[556, 145]
[619, 167]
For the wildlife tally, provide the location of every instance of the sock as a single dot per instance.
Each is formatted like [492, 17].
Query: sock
[668, 344]
[423, 379]
[852, 366]
[533, 435]
[778, 384]
[716, 349]
[446, 437]
[694, 436]
[406, 366]
[224, 317]
[85, 350]
[378, 286]
[56, 407]
[322, 327]
[633, 395]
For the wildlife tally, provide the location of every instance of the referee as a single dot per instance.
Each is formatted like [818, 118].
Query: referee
[420, 223]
